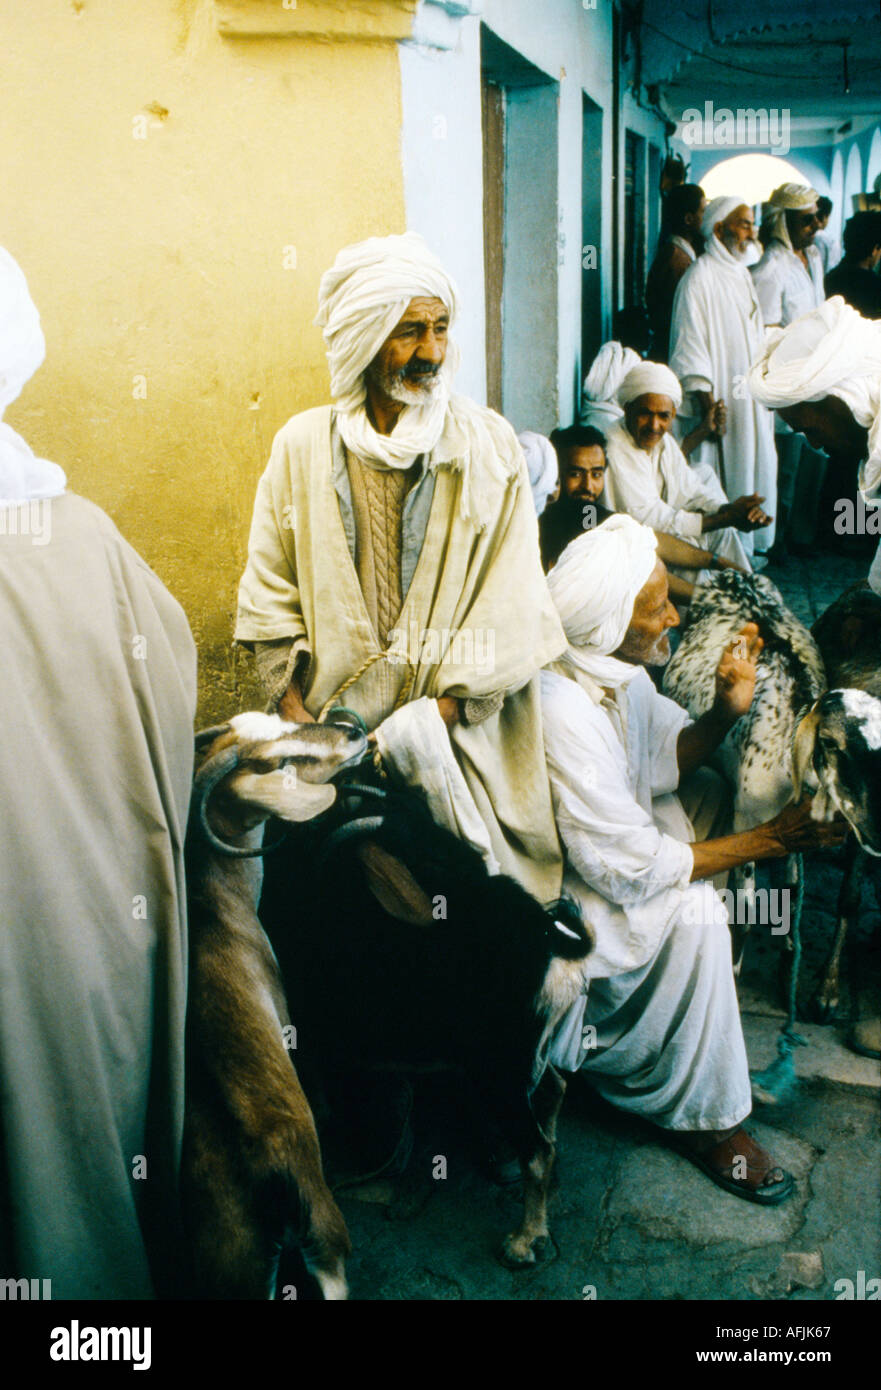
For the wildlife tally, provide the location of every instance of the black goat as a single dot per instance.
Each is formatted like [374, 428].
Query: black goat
[385, 921]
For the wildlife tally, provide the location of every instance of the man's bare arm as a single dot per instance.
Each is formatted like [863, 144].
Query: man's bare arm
[792, 832]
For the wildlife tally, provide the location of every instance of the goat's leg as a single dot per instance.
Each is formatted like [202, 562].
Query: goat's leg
[744, 879]
[825, 1001]
[531, 1128]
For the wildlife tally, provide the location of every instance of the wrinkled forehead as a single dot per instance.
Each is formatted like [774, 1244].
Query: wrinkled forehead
[424, 309]
[652, 404]
[653, 593]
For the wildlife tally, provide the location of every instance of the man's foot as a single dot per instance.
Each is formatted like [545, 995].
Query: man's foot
[739, 1165]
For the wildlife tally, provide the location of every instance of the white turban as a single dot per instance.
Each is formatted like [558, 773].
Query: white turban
[650, 379]
[542, 466]
[607, 371]
[594, 585]
[360, 299]
[789, 197]
[23, 477]
[832, 351]
[717, 211]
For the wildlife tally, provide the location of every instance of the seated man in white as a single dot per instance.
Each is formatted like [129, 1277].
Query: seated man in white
[660, 1034]
[650, 478]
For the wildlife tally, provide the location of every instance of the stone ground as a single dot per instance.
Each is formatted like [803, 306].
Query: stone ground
[630, 1219]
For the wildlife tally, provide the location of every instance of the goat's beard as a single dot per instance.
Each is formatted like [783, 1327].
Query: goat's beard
[423, 387]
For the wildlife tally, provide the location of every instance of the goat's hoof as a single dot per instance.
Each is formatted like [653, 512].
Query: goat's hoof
[519, 1252]
[822, 1010]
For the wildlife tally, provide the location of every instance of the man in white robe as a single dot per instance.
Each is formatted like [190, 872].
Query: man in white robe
[823, 374]
[650, 479]
[394, 556]
[660, 1033]
[98, 683]
[789, 283]
[717, 332]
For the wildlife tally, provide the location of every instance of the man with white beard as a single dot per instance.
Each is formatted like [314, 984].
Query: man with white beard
[643, 824]
[789, 283]
[393, 562]
[717, 332]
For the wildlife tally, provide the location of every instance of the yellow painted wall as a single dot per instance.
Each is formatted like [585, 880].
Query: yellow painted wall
[163, 258]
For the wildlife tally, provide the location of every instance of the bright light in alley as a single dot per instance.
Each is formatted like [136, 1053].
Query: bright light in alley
[754, 176]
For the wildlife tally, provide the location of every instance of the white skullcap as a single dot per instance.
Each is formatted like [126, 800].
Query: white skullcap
[717, 211]
[789, 197]
[22, 349]
[650, 379]
[607, 371]
[541, 463]
[594, 585]
[363, 296]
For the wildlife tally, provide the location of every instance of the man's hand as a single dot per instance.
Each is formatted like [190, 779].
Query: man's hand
[736, 672]
[745, 513]
[448, 706]
[716, 419]
[796, 831]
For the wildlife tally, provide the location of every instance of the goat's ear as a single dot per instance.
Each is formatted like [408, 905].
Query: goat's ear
[281, 793]
[803, 751]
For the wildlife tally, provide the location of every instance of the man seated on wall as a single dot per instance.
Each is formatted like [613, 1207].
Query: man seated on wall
[581, 451]
[650, 479]
[642, 822]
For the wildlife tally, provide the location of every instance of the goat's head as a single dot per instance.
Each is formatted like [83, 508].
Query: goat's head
[837, 752]
[259, 765]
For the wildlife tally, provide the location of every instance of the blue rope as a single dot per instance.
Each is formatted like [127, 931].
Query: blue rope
[778, 1079]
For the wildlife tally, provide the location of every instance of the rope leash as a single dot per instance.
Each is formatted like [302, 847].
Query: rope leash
[778, 1079]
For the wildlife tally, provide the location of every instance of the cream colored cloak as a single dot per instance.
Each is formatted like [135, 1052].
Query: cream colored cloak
[477, 617]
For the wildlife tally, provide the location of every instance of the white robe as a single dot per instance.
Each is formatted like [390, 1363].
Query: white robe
[663, 491]
[717, 333]
[660, 1033]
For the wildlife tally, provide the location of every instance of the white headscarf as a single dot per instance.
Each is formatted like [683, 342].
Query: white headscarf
[716, 211]
[542, 466]
[23, 476]
[789, 197]
[607, 371]
[360, 299]
[650, 379]
[594, 585]
[832, 351]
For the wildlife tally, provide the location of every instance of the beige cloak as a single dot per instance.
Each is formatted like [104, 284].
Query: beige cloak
[477, 618]
[98, 696]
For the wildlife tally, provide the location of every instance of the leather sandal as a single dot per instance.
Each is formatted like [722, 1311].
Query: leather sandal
[764, 1183]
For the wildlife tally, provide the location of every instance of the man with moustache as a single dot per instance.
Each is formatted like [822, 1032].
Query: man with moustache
[390, 523]
[650, 478]
[717, 332]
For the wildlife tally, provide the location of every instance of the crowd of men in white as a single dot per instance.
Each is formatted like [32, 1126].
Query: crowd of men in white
[400, 504]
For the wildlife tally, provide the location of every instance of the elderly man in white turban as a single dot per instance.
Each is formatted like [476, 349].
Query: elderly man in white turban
[660, 1032]
[823, 374]
[98, 690]
[717, 331]
[650, 478]
[393, 555]
[789, 283]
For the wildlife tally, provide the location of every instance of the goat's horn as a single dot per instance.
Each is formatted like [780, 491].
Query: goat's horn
[206, 736]
[206, 779]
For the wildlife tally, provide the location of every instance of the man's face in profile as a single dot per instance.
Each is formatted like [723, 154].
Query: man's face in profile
[646, 642]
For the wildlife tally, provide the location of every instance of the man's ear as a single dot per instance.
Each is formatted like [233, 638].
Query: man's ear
[281, 793]
[803, 751]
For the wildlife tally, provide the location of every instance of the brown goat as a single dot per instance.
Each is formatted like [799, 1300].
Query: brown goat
[251, 1177]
